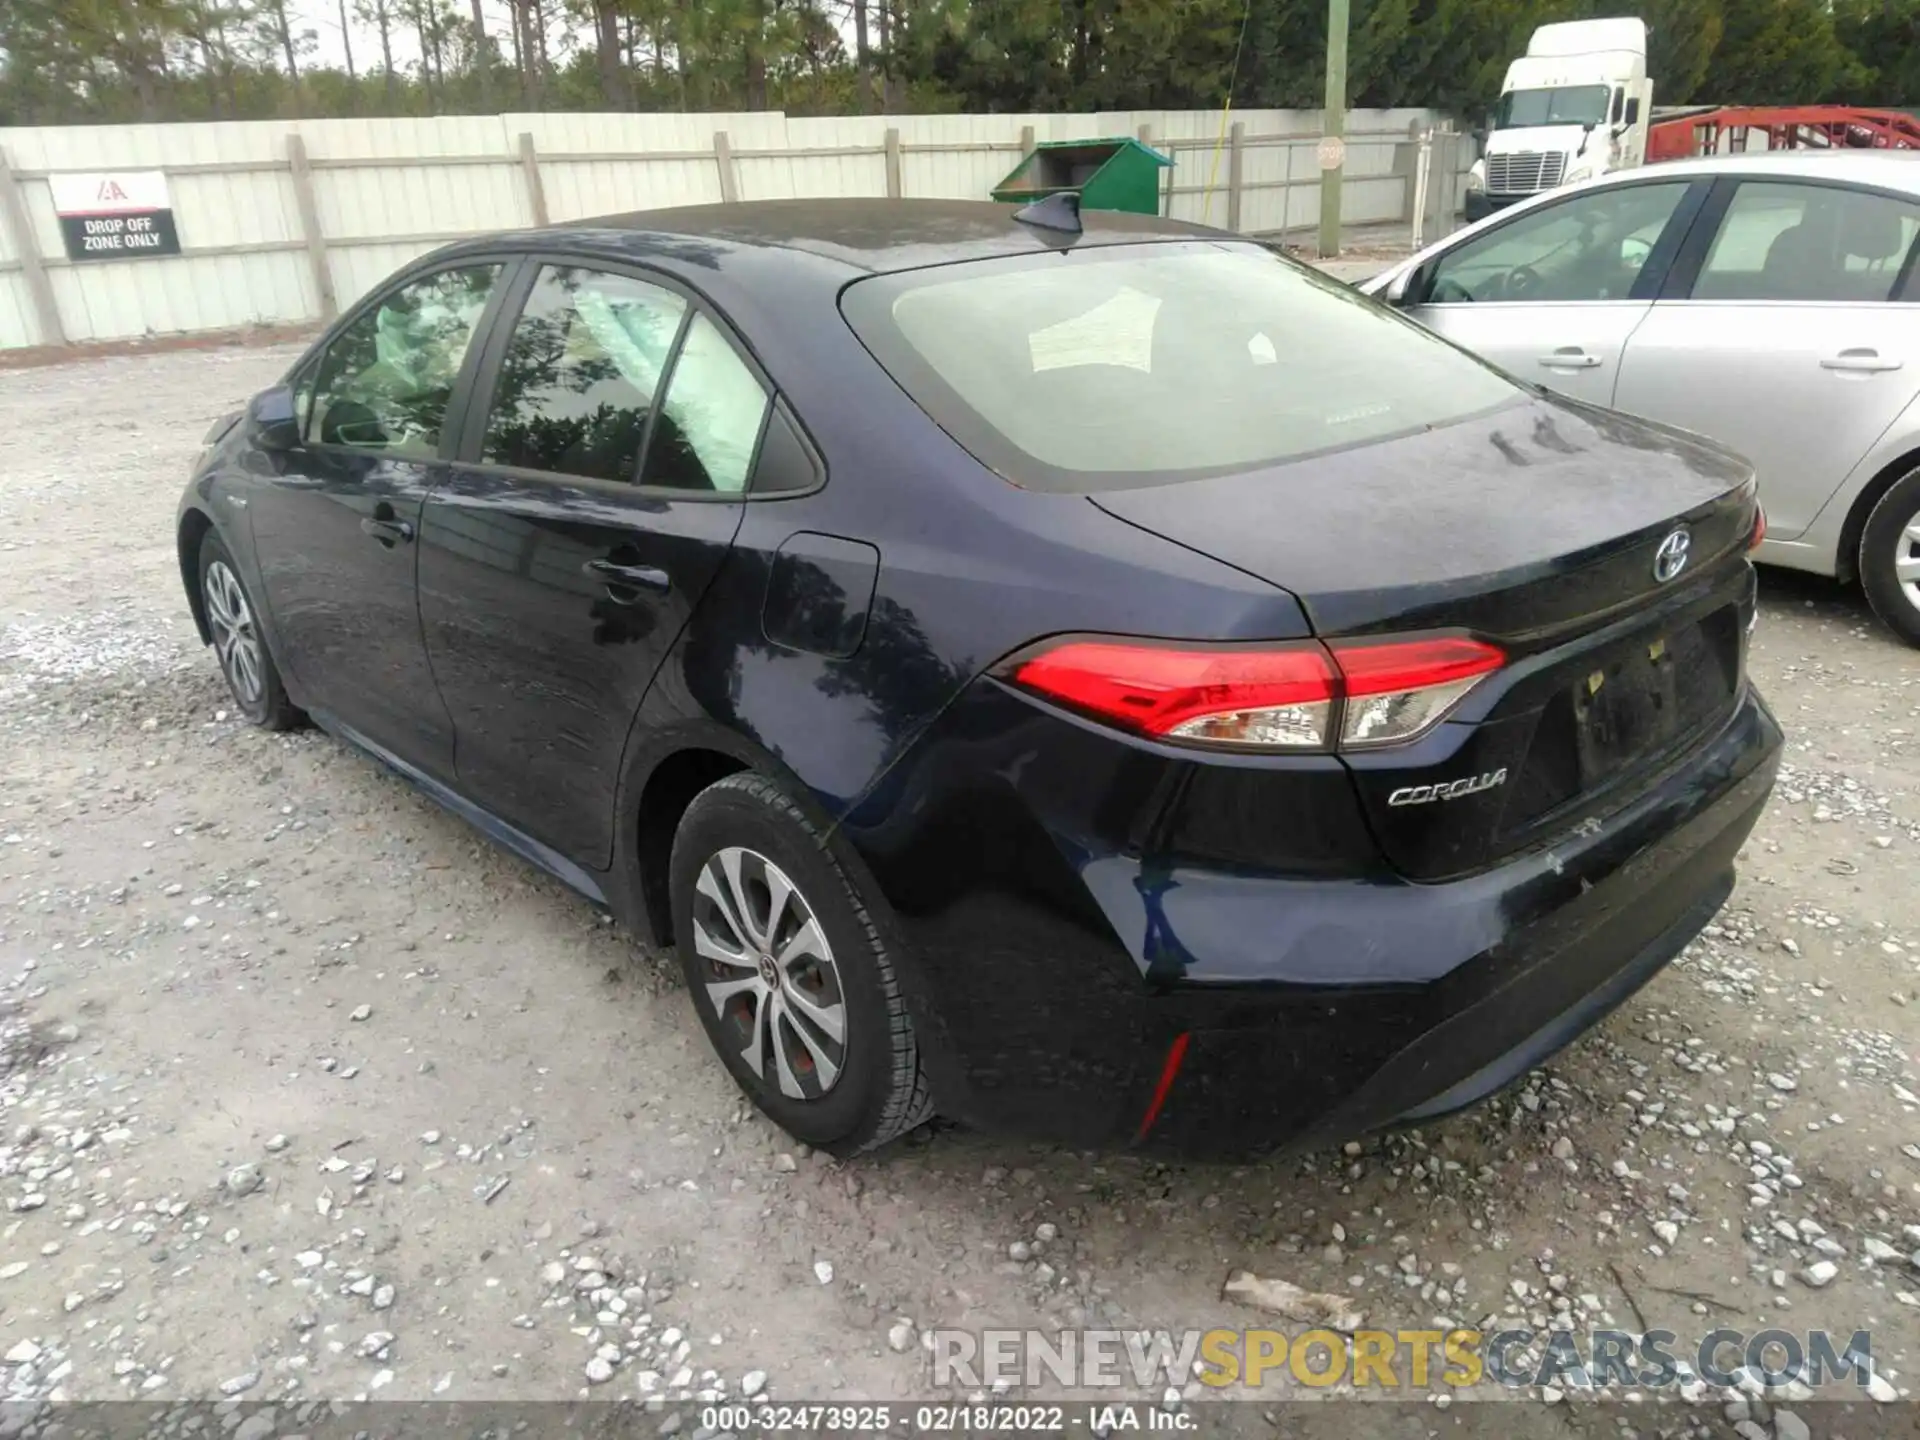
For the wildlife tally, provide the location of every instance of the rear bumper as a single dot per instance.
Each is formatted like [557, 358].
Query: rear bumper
[1331, 1007]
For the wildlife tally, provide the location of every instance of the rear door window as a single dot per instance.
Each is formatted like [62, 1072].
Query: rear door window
[1781, 240]
[709, 426]
[578, 379]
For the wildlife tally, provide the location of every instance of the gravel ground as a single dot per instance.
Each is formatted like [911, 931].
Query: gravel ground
[310, 1093]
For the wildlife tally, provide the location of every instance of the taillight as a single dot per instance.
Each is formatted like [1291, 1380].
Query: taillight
[1399, 689]
[1300, 696]
[1280, 697]
[1759, 528]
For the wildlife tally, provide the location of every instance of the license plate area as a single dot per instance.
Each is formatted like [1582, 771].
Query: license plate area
[1643, 697]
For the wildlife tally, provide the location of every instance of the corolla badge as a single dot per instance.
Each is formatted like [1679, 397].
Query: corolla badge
[1446, 789]
[1671, 558]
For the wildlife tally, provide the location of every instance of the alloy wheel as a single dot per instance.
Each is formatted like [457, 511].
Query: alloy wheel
[235, 640]
[770, 974]
[1906, 560]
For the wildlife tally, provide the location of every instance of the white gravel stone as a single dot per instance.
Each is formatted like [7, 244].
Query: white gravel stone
[1820, 1274]
[753, 1382]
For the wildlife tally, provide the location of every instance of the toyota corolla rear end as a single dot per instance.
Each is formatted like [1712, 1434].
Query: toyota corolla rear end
[1192, 889]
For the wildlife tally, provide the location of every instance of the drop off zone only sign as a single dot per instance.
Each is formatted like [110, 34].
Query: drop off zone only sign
[125, 215]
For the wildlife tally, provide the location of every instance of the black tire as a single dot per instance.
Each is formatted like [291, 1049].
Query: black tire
[253, 680]
[877, 1092]
[1891, 536]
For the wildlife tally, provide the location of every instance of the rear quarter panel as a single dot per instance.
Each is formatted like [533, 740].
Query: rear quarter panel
[1818, 548]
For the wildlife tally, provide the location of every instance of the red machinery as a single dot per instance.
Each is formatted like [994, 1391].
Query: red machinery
[1715, 130]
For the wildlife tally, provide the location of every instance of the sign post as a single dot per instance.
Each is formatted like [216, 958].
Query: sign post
[121, 215]
[1333, 149]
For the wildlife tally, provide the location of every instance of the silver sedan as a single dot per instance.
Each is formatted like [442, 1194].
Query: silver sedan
[1766, 300]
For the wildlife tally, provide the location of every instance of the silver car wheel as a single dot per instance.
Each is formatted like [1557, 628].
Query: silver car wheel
[1906, 560]
[235, 639]
[771, 976]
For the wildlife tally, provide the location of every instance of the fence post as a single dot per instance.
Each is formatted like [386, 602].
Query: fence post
[723, 158]
[536, 187]
[1422, 178]
[893, 163]
[310, 225]
[1026, 140]
[1286, 191]
[1236, 173]
[1447, 157]
[13, 207]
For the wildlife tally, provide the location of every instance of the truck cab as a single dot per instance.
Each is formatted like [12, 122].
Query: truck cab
[1576, 105]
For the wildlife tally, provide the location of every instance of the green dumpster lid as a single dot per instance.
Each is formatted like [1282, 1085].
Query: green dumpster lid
[1115, 140]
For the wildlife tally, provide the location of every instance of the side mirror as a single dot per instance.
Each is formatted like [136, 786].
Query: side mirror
[1633, 111]
[274, 419]
[1396, 291]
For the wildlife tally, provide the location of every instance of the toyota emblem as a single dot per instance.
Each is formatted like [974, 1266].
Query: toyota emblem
[1671, 558]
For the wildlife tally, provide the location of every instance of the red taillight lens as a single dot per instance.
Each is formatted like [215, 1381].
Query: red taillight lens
[1277, 697]
[1398, 689]
[1294, 697]
[1759, 528]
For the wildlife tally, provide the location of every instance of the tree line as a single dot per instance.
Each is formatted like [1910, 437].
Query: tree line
[77, 61]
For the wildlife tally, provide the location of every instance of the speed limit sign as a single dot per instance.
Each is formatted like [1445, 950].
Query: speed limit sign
[1333, 152]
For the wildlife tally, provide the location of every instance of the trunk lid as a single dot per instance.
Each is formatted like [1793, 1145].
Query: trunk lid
[1538, 516]
[1536, 527]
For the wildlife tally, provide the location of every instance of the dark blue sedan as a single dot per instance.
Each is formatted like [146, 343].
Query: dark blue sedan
[1089, 676]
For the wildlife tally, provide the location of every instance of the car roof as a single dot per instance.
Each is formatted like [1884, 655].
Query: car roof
[1890, 169]
[853, 236]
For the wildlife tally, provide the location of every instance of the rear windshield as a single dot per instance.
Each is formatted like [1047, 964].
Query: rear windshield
[1133, 365]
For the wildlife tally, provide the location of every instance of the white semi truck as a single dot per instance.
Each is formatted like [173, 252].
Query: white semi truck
[1576, 105]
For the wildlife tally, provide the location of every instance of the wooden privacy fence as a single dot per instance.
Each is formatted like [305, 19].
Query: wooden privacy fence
[284, 225]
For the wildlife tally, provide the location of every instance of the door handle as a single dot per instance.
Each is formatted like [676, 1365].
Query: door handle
[1862, 361]
[617, 577]
[388, 532]
[1570, 357]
